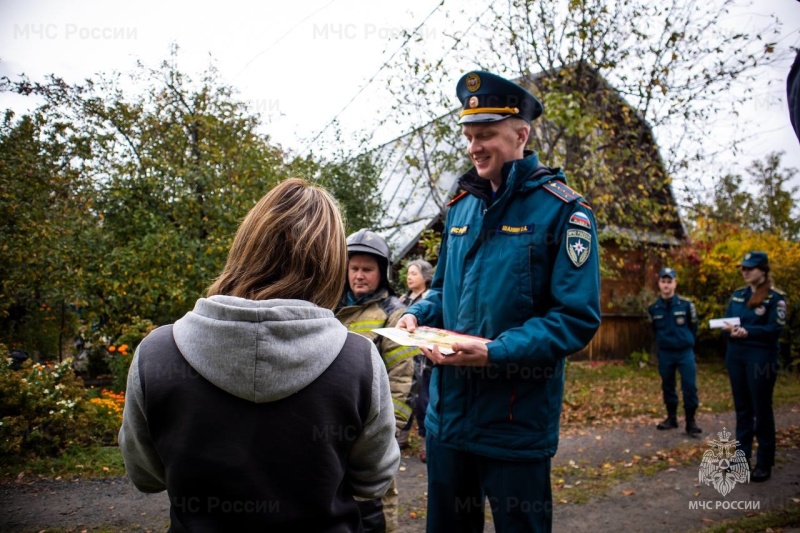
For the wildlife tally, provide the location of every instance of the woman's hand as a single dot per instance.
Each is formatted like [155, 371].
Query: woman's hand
[737, 332]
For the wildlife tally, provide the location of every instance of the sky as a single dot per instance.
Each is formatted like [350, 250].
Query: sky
[302, 64]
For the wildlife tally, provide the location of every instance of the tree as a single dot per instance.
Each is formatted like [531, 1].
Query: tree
[735, 223]
[774, 208]
[166, 172]
[173, 169]
[43, 208]
[708, 272]
[730, 204]
[777, 207]
[607, 72]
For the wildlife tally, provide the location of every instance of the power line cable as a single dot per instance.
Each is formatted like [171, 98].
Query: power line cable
[282, 37]
[372, 78]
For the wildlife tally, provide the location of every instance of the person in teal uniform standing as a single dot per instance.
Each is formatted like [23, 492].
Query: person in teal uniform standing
[674, 320]
[518, 265]
[752, 359]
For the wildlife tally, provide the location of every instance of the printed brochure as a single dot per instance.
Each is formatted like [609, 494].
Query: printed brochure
[426, 337]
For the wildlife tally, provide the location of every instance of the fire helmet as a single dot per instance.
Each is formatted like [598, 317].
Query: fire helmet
[365, 241]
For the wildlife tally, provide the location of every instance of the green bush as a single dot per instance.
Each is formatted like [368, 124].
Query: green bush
[638, 359]
[43, 409]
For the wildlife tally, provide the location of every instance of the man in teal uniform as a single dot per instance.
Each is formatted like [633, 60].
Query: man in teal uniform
[674, 321]
[518, 265]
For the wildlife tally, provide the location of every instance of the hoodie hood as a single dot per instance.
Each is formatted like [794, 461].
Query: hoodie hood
[259, 350]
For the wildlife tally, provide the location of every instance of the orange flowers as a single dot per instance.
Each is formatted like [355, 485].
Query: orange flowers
[112, 401]
[122, 349]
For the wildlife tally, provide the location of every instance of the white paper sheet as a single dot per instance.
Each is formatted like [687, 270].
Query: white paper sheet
[717, 323]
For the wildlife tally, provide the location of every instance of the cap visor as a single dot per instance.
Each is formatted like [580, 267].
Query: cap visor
[482, 117]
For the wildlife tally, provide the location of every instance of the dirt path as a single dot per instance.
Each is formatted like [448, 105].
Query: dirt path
[670, 501]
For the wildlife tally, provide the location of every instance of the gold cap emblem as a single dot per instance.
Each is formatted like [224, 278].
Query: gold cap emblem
[473, 82]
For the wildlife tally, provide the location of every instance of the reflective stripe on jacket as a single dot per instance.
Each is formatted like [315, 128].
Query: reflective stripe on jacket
[383, 311]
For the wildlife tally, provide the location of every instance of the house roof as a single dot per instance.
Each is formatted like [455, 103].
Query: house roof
[415, 185]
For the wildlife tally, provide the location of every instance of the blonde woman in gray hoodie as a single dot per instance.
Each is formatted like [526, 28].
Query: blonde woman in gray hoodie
[258, 410]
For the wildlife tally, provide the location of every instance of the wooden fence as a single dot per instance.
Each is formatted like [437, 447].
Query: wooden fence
[620, 334]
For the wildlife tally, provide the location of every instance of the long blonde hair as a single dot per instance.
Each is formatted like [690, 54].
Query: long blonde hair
[290, 245]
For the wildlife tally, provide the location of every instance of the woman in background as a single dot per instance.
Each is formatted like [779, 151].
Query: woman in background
[418, 279]
[258, 410]
[419, 275]
[752, 359]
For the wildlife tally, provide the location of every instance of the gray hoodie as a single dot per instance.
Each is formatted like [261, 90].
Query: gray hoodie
[263, 351]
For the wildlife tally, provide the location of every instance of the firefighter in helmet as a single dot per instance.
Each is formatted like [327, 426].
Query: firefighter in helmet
[369, 302]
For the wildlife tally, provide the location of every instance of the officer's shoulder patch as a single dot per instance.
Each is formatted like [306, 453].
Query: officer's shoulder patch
[579, 218]
[743, 287]
[561, 191]
[778, 291]
[457, 198]
[579, 246]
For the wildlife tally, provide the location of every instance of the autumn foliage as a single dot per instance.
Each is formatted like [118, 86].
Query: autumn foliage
[708, 272]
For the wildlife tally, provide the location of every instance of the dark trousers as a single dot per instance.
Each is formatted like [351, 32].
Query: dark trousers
[460, 483]
[681, 361]
[419, 394]
[753, 379]
[421, 407]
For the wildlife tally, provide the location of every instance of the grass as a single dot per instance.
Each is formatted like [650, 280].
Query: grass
[595, 394]
[767, 521]
[94, 462]
[579, 482]
[604, 393]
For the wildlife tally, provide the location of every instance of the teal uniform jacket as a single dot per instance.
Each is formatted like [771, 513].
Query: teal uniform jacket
[674, 323]
[763, 323]
[521, 269]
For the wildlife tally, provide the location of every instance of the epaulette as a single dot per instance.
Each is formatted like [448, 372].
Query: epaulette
[779, 291]
[743, 287]
[562, 192]
[457, 198]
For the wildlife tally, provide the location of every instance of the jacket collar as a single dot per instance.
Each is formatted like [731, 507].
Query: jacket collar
[349, 299]
[521, 174]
